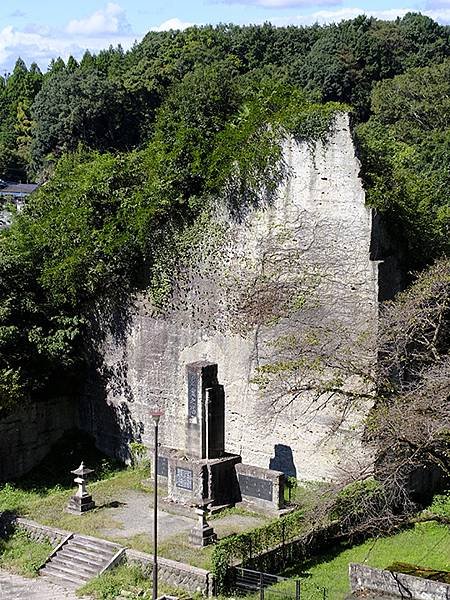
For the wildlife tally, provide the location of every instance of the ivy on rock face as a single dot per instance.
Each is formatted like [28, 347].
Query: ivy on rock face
[106, 225]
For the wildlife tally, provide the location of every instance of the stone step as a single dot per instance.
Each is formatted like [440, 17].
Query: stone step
[80, 546]
[96, 542]
[88, 558]
[68, 571]
[80, 559]
[62, 578]
[68, 584]
[75, 565]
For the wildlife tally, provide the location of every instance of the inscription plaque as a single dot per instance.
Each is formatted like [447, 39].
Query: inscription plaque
[192, 394]
[163, 466]
[183, 478]
[255, 487]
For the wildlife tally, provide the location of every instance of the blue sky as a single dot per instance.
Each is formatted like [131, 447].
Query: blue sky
[38, 31]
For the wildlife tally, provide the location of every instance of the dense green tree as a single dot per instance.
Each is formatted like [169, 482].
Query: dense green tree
[406, 156]
[81, 107]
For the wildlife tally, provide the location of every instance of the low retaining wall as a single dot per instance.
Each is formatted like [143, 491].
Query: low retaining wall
[178, 575]
[398, 585]
[294, 551]
[41, 533]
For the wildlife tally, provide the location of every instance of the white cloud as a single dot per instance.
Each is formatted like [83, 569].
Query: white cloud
[283, 3]
[37, 43]
[174, 23]
[442, 16]
[106, 21]
[41, 47]
[324, 17]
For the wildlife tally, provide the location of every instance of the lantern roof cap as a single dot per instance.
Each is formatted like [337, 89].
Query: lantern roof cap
[82, 470]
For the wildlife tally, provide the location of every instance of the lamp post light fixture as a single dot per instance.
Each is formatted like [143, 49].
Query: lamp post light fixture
[156, 414]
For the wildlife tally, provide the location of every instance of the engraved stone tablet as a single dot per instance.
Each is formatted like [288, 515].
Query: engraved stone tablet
[163, 466]
[257, 488]
[183, 478]
[192, 393]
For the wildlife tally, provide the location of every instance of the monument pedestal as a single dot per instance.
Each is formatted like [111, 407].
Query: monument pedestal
[202, 537]
[191, 480]
[203, 534]
[80, 504]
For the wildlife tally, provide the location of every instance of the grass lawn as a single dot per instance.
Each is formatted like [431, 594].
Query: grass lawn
[425, 544]
[128, 581]
[20, 554]
[46, 505]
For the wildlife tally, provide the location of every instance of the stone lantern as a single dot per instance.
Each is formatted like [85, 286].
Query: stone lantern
[81, 501]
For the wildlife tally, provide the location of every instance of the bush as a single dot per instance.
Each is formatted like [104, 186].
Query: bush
[246, 545]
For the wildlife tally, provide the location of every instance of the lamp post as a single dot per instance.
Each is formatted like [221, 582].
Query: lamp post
[156, 414]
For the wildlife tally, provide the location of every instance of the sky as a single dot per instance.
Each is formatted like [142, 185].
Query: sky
[39, 30]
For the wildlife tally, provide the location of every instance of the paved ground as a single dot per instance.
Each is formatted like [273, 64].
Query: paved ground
[14, 587]
[135, 514]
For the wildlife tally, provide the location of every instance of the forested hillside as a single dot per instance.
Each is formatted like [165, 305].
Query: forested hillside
[135, 148]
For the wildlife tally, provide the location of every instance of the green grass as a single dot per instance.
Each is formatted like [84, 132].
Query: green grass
[425, 544]
[305, 493]
[22, 555]
[129, 579]
[440, 505]
[123, 578]
[47, 505]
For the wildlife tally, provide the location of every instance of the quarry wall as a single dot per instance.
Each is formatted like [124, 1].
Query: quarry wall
[27, 435]
[281, 280]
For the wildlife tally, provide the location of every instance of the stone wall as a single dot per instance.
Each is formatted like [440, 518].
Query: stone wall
[295, 267]
[178, 575]
[397, 585]
[27, 435]
[42, 533]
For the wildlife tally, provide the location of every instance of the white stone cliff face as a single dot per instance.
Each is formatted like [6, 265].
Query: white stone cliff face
[313, 243]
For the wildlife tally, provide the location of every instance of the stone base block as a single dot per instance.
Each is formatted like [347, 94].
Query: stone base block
[79, 505]
[202, 537]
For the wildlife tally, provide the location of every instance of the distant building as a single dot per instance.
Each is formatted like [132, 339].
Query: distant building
[13, 193]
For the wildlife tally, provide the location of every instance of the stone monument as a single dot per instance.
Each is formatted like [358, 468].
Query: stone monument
[202, 469]
[201, 473]
[81, 501]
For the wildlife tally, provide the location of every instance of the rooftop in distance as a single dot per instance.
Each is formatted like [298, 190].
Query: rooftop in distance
[9, 188]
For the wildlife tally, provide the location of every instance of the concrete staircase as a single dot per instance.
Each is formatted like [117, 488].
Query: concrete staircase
[80, 558]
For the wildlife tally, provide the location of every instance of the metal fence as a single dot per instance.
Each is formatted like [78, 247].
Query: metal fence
[265, 586]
